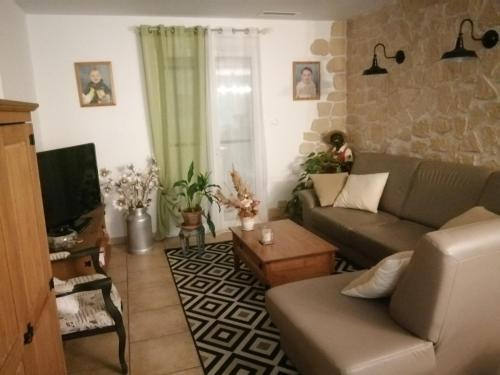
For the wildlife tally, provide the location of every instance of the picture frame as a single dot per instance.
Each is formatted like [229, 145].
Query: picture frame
[95, 83]
[306, 78]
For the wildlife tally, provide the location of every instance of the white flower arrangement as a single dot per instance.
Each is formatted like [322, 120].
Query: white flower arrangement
[132, 188]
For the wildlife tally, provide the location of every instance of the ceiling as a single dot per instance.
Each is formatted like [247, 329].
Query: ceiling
[305, 9]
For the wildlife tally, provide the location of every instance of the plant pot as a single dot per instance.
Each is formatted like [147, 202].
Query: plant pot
[247, 223]
[139, 231]
[191, 218]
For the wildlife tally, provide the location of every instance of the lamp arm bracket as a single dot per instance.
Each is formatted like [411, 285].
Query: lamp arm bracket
[471, 28]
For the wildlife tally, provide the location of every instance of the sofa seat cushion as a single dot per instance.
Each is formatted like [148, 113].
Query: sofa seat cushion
[336, 223]
[379, 241]
[326, 333]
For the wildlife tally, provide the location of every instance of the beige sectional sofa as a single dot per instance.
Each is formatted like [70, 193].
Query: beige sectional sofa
[419, 197]
[444, 316]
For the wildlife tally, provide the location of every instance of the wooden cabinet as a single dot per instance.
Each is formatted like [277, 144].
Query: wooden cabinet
[30, 342]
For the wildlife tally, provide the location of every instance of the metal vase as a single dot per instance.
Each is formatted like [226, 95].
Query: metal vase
[139, 231]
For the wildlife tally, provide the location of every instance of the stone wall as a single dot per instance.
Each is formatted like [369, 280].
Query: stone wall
[331, 111]
[425, 107]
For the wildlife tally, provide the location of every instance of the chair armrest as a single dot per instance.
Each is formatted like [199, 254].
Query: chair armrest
[308, 198]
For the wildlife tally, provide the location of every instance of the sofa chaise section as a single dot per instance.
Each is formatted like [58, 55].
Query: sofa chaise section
[326, 333]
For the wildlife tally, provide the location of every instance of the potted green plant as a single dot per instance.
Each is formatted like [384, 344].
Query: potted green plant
[194, 197]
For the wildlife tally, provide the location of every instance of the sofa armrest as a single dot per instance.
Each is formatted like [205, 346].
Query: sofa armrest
[308, 199]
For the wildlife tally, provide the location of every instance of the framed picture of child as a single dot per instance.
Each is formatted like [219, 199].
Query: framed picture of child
[95, 83]
[306, 80]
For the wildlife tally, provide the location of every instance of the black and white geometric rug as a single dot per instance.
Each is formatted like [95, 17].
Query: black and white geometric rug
[226, 314]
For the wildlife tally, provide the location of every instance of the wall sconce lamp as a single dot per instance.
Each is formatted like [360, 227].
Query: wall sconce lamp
[375, 68]
[489, 40]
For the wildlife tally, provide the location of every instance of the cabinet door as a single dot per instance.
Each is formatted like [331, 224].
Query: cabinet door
[11, 344]
[45, 354]
[22, 217]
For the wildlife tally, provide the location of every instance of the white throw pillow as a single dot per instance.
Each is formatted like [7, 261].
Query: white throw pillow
[474, 215]
[362, 191]
[327, 186]
[380, 280]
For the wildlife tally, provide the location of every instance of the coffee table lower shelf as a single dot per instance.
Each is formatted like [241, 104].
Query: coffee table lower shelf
[283, 271]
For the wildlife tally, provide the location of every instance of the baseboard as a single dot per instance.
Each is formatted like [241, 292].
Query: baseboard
[118, 240]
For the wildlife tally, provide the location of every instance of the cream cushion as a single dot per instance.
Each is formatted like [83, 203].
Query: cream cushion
[92, 312]
[380, 280]
[474, 215]
[327, 186]
[362, 191]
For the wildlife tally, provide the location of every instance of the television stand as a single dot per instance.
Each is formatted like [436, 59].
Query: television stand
[93, 235]
[81, 223]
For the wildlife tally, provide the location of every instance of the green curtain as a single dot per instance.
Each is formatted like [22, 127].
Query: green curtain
[175, 73]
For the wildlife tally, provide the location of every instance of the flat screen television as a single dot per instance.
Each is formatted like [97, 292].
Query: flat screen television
[70, 186]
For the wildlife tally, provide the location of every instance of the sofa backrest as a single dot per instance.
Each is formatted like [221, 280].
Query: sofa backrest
[450, 295]
[440, 191]
[401, 170]
[490, 198]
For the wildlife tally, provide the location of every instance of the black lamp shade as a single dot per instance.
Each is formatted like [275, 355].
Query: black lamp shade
[374, 69]
[459, 51]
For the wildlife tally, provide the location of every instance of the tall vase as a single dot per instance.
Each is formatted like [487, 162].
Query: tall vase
[139, 231]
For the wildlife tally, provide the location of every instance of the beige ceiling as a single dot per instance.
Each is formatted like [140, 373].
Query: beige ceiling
[305, 9]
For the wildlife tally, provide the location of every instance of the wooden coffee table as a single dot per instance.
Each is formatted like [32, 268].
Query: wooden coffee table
[295, 254]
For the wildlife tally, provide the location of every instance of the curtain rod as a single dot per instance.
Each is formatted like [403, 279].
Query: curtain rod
[219, 30]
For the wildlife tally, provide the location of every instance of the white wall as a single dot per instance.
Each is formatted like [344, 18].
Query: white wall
[121, 133]
[16, 74]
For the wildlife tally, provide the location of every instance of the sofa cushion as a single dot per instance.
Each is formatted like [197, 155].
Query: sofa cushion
[380, 241]
[380, 280]
[490, 198]
[326, 333]
[400, 168]
[336, 223]
[362, 192]
[327, 186]
[441, 191]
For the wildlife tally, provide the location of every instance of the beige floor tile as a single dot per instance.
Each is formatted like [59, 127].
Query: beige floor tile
[99, 371]
[118, 257]
[164, 355]
[151, 324]
[148, 279]
[153, 298]
[140, 263]
[191, 371]
[117, 273]
[94, 352]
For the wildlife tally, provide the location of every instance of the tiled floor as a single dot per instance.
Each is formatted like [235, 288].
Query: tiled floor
[158, 337]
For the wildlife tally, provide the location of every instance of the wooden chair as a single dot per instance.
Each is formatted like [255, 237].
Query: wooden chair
[100, 307]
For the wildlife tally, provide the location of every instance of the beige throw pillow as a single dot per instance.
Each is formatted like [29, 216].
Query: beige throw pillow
[327, 186]
[473, 215]
[362, 191]
[380, 280]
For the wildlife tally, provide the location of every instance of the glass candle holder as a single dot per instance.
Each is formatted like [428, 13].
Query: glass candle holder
[266, 235]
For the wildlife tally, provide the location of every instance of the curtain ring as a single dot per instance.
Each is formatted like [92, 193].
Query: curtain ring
[172, 30]
[247, 31]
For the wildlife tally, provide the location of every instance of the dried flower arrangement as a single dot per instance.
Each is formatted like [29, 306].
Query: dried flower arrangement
[244, 201]
[133, 188]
